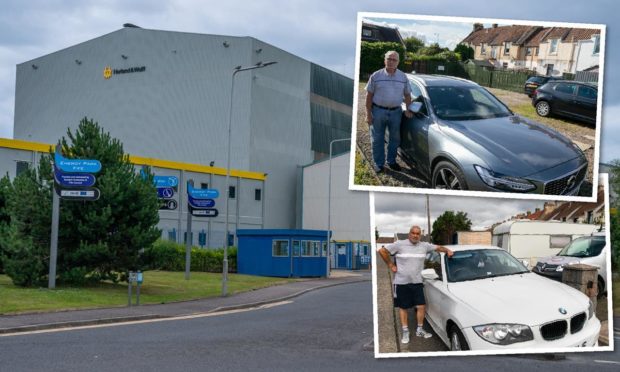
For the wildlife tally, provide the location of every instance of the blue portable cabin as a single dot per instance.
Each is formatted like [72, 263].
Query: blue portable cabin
[350, 255]
[282, 252]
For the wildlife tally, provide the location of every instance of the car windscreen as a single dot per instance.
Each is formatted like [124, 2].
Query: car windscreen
[480, 264]
[465, 103]
[535, 79]
[589, 246]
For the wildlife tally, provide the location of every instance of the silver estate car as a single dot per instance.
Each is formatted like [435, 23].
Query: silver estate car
[463, 138]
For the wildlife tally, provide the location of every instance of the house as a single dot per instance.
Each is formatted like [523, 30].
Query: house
[546, 50]
[378, 33]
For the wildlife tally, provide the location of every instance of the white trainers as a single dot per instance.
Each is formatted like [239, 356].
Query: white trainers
[405, 339]
[422, 333]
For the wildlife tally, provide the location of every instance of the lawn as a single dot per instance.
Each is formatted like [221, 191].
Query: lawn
[158, 287]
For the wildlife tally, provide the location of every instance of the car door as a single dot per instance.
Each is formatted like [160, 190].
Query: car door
[435, 292]
[564, 100]
[414, 133]
[585, 102]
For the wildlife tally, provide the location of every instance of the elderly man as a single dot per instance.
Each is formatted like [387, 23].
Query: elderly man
[408, 286]
[386, 90]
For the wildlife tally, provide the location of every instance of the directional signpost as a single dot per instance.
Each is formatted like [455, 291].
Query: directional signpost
[200, 203]
[166, 188]
[73, 180]
[165, 192]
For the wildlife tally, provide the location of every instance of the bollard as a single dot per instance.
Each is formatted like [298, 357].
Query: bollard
[583, 278]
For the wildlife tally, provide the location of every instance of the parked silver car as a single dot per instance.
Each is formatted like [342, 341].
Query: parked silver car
[463, 138]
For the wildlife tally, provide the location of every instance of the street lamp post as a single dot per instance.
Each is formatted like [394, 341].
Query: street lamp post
[329, 201]
[227, 186]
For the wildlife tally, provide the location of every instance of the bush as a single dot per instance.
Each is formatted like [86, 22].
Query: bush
[372, 56]
[170, 256]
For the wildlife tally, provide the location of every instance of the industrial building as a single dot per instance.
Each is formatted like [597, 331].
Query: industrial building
[167, 96]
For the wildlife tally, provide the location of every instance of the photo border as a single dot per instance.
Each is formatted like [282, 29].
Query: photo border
[487, 194]
[604, 180]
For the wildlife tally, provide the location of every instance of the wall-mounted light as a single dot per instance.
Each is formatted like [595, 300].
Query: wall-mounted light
[226, 44]
[34, 67]
[212, 163]
[124, 56]
[78, 62]
[258, 50]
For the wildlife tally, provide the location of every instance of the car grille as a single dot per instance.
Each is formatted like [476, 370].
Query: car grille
[554, 330]
[577, 322]
[545, 267]
[561, 185]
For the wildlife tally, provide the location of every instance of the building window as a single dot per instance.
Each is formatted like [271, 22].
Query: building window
[536, 51]
[528, 51]
[172, 235]
[324, 249]
[597, 44]
[553, 46]
[505, 64]
[204, 185]
[310, 248]
[21, 167]
[559, 241]
[483, 49]
[493, 52]
[366, 32]
[231, 192]
[507, 46]
[257, 194]
[279, 248]
[296, 248]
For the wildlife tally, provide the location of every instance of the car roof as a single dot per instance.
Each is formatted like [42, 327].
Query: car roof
[588, 84]
[461, 247]
[440, 80]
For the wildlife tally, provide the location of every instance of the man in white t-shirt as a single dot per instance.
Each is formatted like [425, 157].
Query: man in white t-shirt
[408, 285]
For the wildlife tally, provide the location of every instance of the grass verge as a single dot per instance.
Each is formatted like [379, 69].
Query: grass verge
[158, 287]
[364, 175]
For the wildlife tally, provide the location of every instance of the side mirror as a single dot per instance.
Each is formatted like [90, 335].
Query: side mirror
[429, 274]
[415, 107]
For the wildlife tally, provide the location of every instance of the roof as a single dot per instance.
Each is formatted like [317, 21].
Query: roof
[384, 240]
[382, 33]
[528, 35]
[440, 80]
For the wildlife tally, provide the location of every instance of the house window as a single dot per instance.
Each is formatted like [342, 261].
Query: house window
[505, 64]
[483, 49]
[553, 47]
[493, 52]
[231, 192]
[507, 46]
[528, 51]
[366, 32]
[279, 248]
[559, 241]
[257, 194]
[204, 185]
[597, 44]
[21, 167]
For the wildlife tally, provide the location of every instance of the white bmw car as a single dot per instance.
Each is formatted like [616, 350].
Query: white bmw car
[482, 298]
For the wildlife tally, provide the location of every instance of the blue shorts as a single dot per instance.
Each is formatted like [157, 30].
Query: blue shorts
[409, 295]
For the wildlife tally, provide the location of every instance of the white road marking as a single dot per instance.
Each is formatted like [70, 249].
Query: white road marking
[184, 317]
[606, 361]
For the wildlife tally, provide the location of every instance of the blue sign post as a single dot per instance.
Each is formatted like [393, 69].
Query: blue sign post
[165, 192]
[76, 165]
[73, 179]
[201, 193]
[200, 203]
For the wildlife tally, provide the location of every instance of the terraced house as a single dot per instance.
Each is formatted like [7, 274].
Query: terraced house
[549, 51]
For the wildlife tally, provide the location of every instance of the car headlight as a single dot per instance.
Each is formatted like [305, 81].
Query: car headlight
[590, 309]
[500, 181]
[560, 268]
[504, 334]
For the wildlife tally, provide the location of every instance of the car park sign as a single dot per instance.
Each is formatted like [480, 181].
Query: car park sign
[201, 193]
[75, 165]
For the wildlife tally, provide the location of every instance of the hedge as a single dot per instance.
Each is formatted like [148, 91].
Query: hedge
[170, 256]
[372, 56]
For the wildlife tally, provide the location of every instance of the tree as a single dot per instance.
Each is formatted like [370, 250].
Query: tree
[446, 225]
[413, 44]
[466, 52]
[372, 55]
[432, 50]
[5, 217]
[97, 239]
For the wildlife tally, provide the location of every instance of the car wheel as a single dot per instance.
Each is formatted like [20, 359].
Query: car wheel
[601, 287]
[457, 340]
[448, 176]
[543, 108]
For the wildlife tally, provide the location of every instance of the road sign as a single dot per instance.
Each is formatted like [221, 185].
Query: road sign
[201, 193]
[73, 179]
[169, 204]
[75, 165]
[88, 194]
[165, 181]
[210, 212]
[200, 203]
[165, 192]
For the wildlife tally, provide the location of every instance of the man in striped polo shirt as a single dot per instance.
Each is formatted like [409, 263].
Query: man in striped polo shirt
[408, 285]
[386, 90]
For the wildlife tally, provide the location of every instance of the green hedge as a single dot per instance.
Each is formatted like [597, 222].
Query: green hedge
[170, 256]
[372, 56]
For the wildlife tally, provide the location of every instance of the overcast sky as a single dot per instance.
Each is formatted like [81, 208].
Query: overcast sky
[321, 31]
[398, 212]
